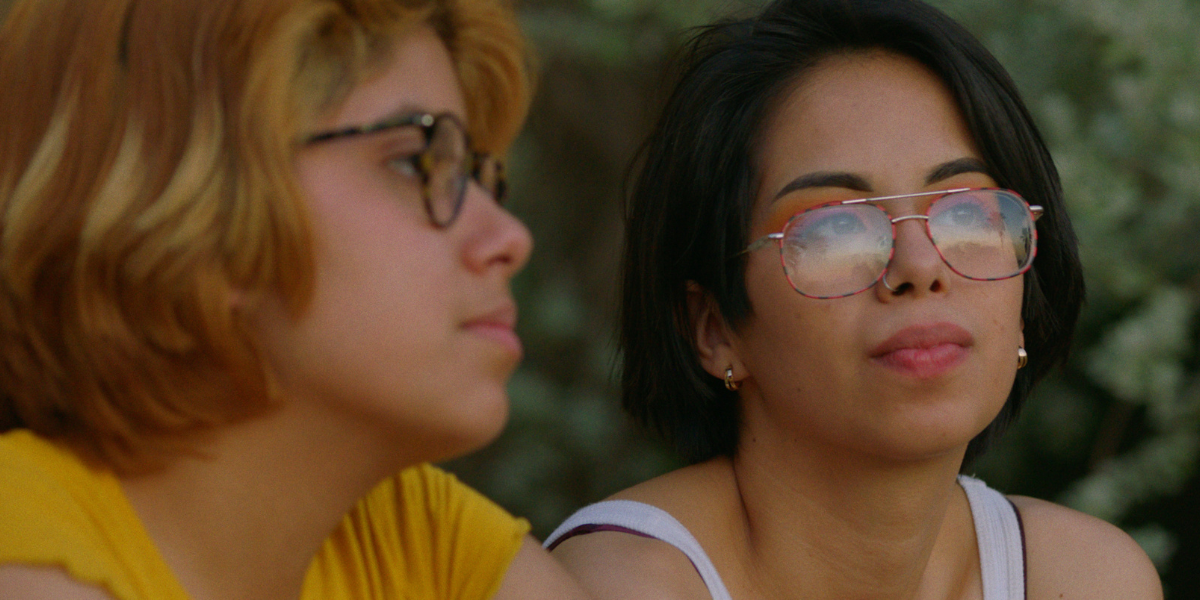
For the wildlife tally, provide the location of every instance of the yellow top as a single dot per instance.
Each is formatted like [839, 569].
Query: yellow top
[421, 534]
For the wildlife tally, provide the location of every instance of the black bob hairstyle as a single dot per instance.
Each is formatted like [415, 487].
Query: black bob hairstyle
[691, 197]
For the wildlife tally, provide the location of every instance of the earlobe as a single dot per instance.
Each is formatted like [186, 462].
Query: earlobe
[713, 339]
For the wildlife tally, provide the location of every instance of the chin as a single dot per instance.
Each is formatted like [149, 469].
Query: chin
[931, 437]
[479, 422]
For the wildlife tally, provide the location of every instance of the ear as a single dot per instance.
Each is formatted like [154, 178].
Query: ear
[715, 343]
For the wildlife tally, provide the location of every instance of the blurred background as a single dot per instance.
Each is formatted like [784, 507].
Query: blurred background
[1114, 86]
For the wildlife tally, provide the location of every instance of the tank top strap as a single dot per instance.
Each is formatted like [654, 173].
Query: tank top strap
[647, 521]
[998, 529]
[1001, 537]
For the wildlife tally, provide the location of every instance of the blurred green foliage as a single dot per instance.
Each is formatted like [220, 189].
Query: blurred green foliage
[1115, 87]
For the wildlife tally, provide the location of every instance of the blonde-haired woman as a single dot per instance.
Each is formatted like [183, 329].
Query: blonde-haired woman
[252, 265]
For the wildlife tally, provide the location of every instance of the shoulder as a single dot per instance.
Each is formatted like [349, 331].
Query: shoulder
[447, 539]
[535, 574]
[26, 456]
[612, 565]
[54, 510]
[425, 493]
[40, 583]
[44, 474]
[1077, 555]
[425, 503]
[58, 510]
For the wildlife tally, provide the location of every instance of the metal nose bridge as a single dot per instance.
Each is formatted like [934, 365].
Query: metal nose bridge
[908, 217]
[892, 259]
[928, 234]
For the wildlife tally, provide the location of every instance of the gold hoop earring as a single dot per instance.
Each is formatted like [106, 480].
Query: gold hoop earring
[730, 384]
[1022, 358]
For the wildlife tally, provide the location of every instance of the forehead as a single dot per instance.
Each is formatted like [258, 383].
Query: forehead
[416, 74]
[882, 116]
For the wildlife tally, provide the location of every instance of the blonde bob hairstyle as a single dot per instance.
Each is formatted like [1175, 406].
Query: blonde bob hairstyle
[148, 195]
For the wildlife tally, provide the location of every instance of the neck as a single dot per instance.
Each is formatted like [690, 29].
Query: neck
[243, 521]
[838, 526]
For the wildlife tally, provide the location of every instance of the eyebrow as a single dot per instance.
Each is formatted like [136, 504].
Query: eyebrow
[822, 179]
[956, 167]
[858, 183]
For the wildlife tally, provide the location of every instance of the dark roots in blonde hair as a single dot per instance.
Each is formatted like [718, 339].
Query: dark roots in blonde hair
[147, 192]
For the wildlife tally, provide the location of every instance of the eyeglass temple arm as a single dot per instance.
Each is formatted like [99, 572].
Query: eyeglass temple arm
[1036, 210]
[760, 242]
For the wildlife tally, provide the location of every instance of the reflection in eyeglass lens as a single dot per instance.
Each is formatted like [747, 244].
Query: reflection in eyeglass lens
[837, 250]
[840, 250]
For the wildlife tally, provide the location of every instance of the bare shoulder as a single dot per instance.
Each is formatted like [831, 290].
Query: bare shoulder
[533, 574]
[1074, 555]
[613, 565]
[20, 582]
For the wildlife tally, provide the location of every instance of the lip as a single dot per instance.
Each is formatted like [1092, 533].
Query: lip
[924, 351]
[498, 325]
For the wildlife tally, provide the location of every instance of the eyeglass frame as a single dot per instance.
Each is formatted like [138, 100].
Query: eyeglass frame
[427, 123]
[1035, 212]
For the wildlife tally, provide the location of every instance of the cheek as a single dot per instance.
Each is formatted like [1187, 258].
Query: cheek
[383, 276]
[792, 337]
[372, 239]
[1000, 335]
[1004, 311]
[372, 282]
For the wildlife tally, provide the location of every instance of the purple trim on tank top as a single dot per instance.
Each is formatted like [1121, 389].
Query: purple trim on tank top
[593, 528]
[1024, 551]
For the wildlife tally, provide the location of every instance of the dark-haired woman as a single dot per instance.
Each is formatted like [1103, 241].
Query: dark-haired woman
[831, 306]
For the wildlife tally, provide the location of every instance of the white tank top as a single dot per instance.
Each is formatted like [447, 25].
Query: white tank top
[997, 528]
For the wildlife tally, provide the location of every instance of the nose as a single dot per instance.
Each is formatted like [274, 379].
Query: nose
[916, 266]
[496, 239]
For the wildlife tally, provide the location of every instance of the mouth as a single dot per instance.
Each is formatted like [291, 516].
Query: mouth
[498, 326]
[924, 351]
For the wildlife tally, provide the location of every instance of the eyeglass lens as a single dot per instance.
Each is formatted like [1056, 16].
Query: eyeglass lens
[839, 250]
[447, 173]
[449, 163]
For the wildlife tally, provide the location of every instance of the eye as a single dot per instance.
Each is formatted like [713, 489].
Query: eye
[833, 229]
[407, 165]
[834, 223]
[969, 214]
[402, 149]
